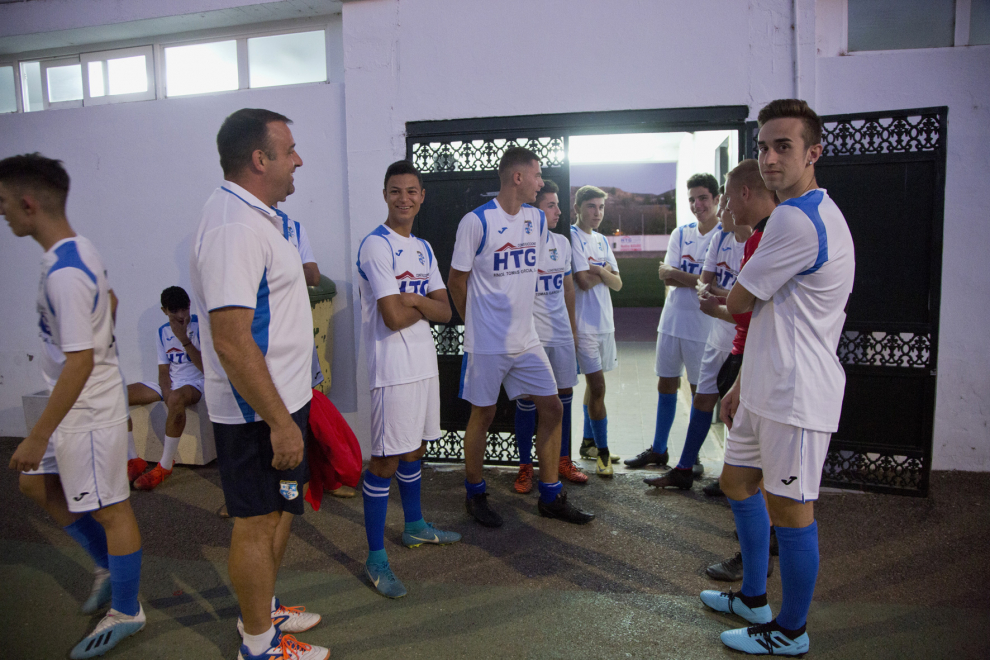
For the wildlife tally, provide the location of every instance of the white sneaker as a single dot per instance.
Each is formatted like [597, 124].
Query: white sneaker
[286, 647]
[288, 619]
[114, 627]
[100, 594]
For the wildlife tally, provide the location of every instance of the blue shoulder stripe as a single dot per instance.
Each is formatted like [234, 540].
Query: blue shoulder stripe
[380, 230]
[161, 333]
[480, 212]
[809, 204]
[67, 256]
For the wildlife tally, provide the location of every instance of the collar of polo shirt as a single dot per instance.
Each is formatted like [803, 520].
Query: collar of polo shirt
[249, 199]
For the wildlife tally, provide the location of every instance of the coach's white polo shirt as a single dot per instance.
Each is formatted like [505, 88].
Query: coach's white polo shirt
[802, 275]
[240, 258]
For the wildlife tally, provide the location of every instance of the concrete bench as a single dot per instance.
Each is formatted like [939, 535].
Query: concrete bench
[196, 446]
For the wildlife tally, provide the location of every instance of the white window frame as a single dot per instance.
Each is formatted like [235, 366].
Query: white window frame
[960, 35]
[18, 107]
[104, 56]
[52, 64]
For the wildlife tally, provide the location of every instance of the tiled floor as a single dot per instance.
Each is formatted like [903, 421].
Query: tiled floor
[631, 401]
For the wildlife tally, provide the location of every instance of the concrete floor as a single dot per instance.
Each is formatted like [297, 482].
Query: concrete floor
[900, 577]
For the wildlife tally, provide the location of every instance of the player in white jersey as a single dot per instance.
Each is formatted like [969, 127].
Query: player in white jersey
[787, 400]
[596, 273]
[180, 385]
[683, 330]
[73, 461]
[250, 293]
[494, 271]
[553, 314]
[722, 264]
[401, 293]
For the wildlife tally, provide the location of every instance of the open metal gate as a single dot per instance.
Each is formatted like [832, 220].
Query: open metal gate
[886, 172]
[459, 160]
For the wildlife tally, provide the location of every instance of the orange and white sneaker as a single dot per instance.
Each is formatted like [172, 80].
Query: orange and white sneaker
[135, 468]
[571, 472]
[286, 647]
[288, 619]
[524, 480]
[151, 479]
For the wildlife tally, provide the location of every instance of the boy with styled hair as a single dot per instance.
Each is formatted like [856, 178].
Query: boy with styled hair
[73, 462]
[596, 272]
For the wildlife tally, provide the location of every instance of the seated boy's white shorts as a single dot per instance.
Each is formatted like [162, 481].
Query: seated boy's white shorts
[564, 365]
[675, 354]
[403, 416]
[523, 374]
[198, 384]
[92, 466]
[791, 457]
[596, 352]
[711, 364]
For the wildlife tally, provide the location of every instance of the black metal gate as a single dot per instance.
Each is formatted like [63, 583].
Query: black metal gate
[886, 172]
[459, 159]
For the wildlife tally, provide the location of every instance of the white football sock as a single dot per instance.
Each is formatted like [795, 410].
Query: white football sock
[168, 453]
[258, 644]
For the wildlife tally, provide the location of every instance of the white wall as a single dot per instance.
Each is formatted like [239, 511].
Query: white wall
[425, 59]
[140, 175]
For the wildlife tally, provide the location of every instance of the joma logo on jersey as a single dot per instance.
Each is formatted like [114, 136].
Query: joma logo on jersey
[409, 283]
[509, 256]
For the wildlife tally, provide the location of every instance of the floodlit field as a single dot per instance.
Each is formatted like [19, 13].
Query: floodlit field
[640, 285]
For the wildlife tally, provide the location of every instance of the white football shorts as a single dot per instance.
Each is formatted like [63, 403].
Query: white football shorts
[403, 416]
[711, 364]
[564, 365]
[675, 354]
[791, 458]
[524, 374]
[198, 384]
[596, 352]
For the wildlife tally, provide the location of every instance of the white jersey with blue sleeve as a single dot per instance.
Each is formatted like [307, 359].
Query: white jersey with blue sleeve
[553, 325]
[682, 316]
[295, 233]
[503, 253]
[724, 260]
[801, 274]
[75, 315]
[181, 369]
[592, 308]
[389, 264]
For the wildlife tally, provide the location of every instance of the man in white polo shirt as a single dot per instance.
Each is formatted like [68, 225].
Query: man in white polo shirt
[494, 271]
[786, 403]
[257, 351]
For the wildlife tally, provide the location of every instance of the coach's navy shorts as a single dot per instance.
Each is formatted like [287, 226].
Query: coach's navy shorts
[251, 486]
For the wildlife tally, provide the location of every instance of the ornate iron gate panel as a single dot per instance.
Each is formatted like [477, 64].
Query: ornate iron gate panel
[886, 171]
[459, 160]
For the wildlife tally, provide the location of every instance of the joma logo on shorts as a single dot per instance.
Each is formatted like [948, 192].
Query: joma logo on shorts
[787, 482]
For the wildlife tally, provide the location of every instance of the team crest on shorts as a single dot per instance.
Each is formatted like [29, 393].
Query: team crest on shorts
[553, 253]
[422, 259]
[289, 489]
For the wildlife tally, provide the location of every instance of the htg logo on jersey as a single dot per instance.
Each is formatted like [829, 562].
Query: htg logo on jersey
[548, 282]
[528, 226]
[510, 256]
[409, 283]
[553, 253]
[724, 275]
[689, 265]
[176, 356]
[422, 259]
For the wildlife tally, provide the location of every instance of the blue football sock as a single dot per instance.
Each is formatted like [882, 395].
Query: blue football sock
[599, 429]
[666, 409]
[798, 572]
[409, 477]
[753, 526]
[587, 424]
[565, 426]
[376, 557]
[697, 431]
[90, 535]
[525, 426]
[549, 492]
[375, 493]
[475, 489]
[125, 577]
